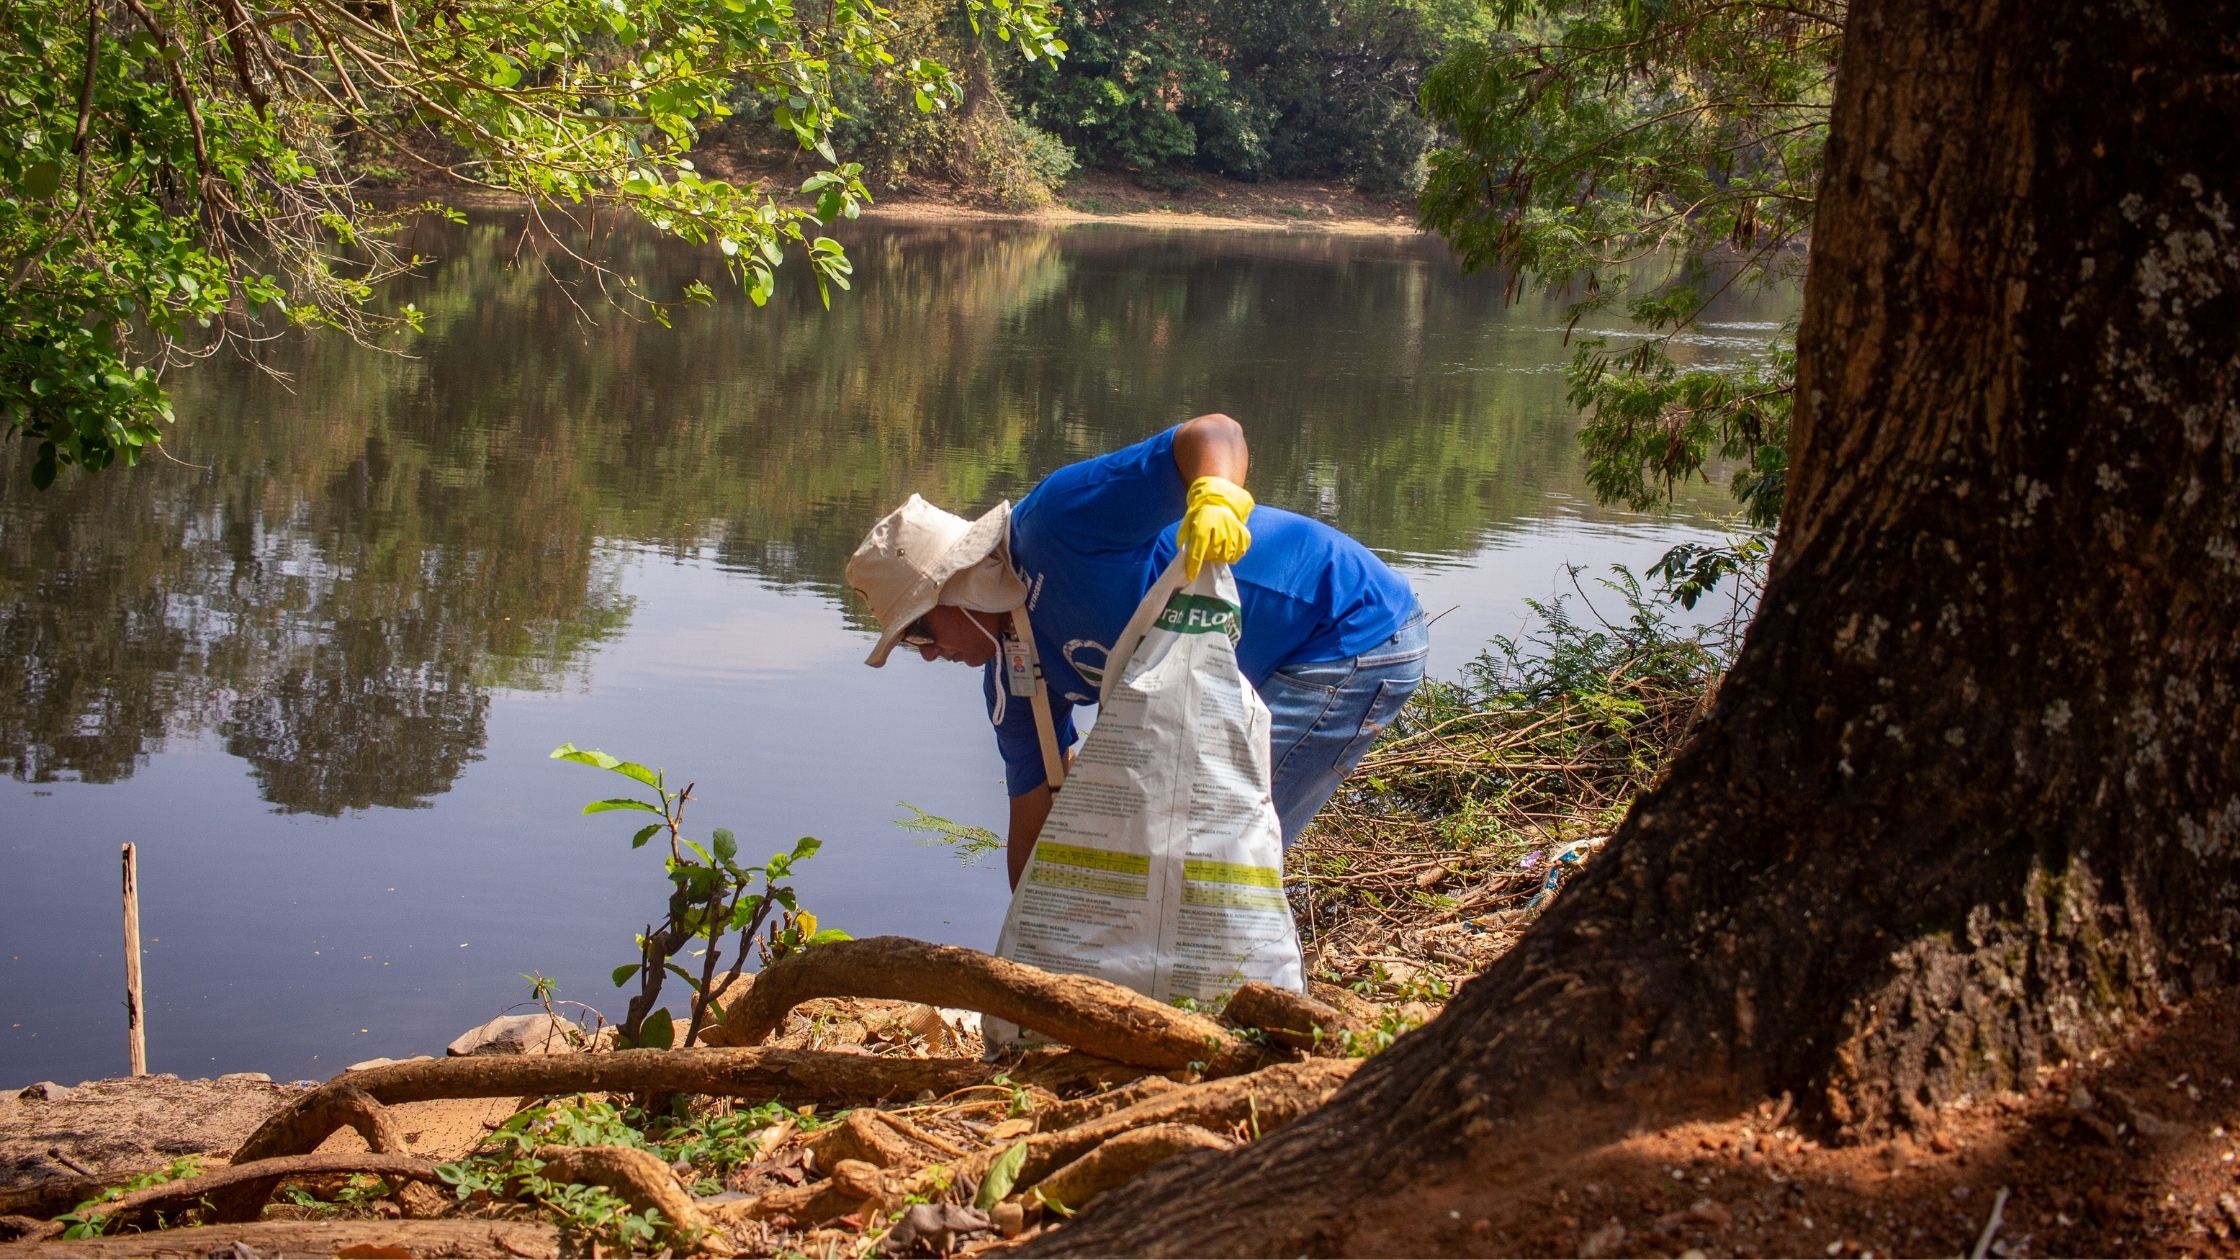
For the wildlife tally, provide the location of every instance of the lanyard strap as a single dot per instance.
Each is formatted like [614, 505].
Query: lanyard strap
[1045, 727]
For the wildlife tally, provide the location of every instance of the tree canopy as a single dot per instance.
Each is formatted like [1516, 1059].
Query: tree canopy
[186, 178]
[1645, 156]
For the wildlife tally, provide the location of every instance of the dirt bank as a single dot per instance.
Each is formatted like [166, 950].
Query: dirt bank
[1211, 204]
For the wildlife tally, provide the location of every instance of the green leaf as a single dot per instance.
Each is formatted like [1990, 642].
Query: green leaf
[40, 180]
[806, 846]
[1003, 1174]
[593, 757]
[726, 845]
[651, 778]
[621, 802]
[645, 833]
[659, 1032]
[585, 756]
[623, 973]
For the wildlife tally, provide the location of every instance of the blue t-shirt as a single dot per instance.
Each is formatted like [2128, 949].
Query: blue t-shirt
[1092, 538]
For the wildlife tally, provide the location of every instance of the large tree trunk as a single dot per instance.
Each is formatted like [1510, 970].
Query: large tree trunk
[1970, 799]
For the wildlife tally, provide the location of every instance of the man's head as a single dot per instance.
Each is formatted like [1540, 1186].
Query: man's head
[950, 633]
[907, 559]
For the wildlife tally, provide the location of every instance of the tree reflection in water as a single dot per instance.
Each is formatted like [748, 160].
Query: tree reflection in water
[345, 562]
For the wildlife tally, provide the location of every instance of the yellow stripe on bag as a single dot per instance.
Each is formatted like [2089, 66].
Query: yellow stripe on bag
[1094, 859]
[1232, 873]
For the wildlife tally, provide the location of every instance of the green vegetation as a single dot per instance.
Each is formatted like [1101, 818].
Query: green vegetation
[970, 843]
[713, 896]
[88, 1221]
[1171, 94]
[1652, 156]
[1287, 89]
[1501, 782]
[703, 1147]
[191, 180]
[982, 145]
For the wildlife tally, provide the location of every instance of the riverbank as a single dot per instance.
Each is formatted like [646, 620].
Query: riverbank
[1209, 204]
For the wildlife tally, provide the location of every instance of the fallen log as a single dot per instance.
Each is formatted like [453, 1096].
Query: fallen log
[797, 1076]
[315, 1238]
[1121, 1160]
[1096, 1016]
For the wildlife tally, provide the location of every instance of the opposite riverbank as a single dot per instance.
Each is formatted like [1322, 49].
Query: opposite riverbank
[1209, 204]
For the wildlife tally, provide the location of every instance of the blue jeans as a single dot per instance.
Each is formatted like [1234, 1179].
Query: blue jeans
[1325, 714]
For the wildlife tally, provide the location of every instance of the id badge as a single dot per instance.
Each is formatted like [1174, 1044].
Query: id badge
[1018, 667]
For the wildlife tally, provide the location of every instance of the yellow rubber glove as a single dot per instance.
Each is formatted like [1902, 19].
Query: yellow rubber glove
[1213, 519]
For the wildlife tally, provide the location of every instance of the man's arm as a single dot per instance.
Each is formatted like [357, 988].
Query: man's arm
[1210, 453]
[1211, 446]
[1029, 810]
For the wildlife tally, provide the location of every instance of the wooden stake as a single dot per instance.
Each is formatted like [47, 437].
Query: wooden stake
[132, 1023]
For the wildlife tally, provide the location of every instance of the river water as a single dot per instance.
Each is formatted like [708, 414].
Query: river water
[312, 663]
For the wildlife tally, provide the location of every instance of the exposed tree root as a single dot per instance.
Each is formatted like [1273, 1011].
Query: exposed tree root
[1096, 1016]
[877, 1162]
[1261, 1102]
[866, 1135]
[798, 1076]
[1121, 1159]
[316, 1238]
[1291, 1019]
[1062, 1071]
[53, 1195]
[1067, 1114]
[852, 1184]
[328, 1110]
[252, 1183]
[640, 1179]
[915, 1133]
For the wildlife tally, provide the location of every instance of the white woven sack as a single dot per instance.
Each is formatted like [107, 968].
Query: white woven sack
[1161, 864]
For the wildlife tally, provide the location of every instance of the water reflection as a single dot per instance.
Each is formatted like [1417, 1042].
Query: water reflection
[353, 549]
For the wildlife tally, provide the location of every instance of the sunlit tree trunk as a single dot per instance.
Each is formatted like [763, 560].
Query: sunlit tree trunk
[1970, 799]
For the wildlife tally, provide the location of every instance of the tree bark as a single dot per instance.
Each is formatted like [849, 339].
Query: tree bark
[1969, 801]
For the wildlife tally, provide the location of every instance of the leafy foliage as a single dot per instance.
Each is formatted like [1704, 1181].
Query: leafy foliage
[190, 180]
[1650, 155]
[1547, 735]
[712, 896]
[88, 1221]
[970, 842]
[703, 1147]
[1255, 90]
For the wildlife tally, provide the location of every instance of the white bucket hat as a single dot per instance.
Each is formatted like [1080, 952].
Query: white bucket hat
[902, 564]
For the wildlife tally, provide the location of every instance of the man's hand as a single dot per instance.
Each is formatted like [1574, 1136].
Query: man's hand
[1213, 519]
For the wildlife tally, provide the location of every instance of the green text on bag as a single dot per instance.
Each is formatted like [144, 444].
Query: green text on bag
[1200, 614]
